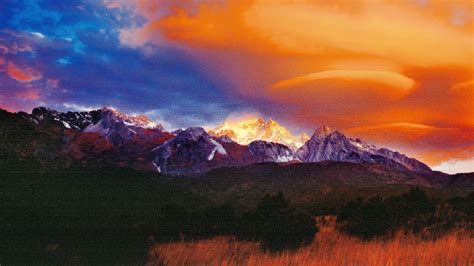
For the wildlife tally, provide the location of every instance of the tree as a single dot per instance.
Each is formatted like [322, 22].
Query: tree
[276, 225]
[411, 211]
[366, 219]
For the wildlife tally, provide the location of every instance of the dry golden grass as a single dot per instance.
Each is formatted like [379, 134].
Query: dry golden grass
[329, 248]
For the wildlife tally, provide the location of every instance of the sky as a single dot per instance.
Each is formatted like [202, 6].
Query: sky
[399, 74]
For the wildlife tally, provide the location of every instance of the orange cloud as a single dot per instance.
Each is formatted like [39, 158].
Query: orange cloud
[342, 93]
[376, 29]
[411, 133]
[467, 86]
[431, 144]
[403, 32]
[22, 75]
[215, 25]
[400, 84]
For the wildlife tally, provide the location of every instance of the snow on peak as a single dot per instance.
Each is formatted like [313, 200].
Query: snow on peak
[191, 133]
[218, 147]
[133, 120]
[363, 145]
[249, 130]
[66, 125]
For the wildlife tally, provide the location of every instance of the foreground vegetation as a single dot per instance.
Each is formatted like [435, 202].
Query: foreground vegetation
[114, 216]
[330, 247]
[407, 229]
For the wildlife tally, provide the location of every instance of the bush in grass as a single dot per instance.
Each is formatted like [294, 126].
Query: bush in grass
[276, 225]
[367, 219]
[413, 212]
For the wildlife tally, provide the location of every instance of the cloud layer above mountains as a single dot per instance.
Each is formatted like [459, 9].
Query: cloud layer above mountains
[397, 73]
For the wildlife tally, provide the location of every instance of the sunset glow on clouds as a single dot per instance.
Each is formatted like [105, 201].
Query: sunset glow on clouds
[21, 75]
[398, 73]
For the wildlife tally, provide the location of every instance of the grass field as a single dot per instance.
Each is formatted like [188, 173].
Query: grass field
[329, 248]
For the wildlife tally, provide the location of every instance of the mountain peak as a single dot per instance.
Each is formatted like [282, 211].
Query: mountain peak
[272, 122]
[249, 130]
[329, 145]
[40, 112]
[109, 109]
[323, 131]
[304, 137]
[132, 120]
[192, 133]
[42, 109]
[112, 112]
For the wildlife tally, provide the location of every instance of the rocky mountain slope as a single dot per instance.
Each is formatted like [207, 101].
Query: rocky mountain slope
[328, 145]
[194, 151]
[102, 138]
[106, 137]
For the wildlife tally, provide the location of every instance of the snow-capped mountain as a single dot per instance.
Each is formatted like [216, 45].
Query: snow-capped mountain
[103, 136]
[108, 137]
[247, 131]
[116, 126]
[70, 120]
[194, 151]
[271, 152]
[107, 122]
[328, 145]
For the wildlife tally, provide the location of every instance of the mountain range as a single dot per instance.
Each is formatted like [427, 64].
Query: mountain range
[108, 138]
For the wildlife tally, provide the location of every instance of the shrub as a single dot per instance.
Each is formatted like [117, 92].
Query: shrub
[276, 225]
[288, 231]
[366, 219]
[413, 212]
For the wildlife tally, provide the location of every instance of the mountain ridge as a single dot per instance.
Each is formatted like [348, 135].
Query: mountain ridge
[138, 142]
[329, 145]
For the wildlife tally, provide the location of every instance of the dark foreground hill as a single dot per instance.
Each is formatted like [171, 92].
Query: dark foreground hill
[320, 185]
[108, 215]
